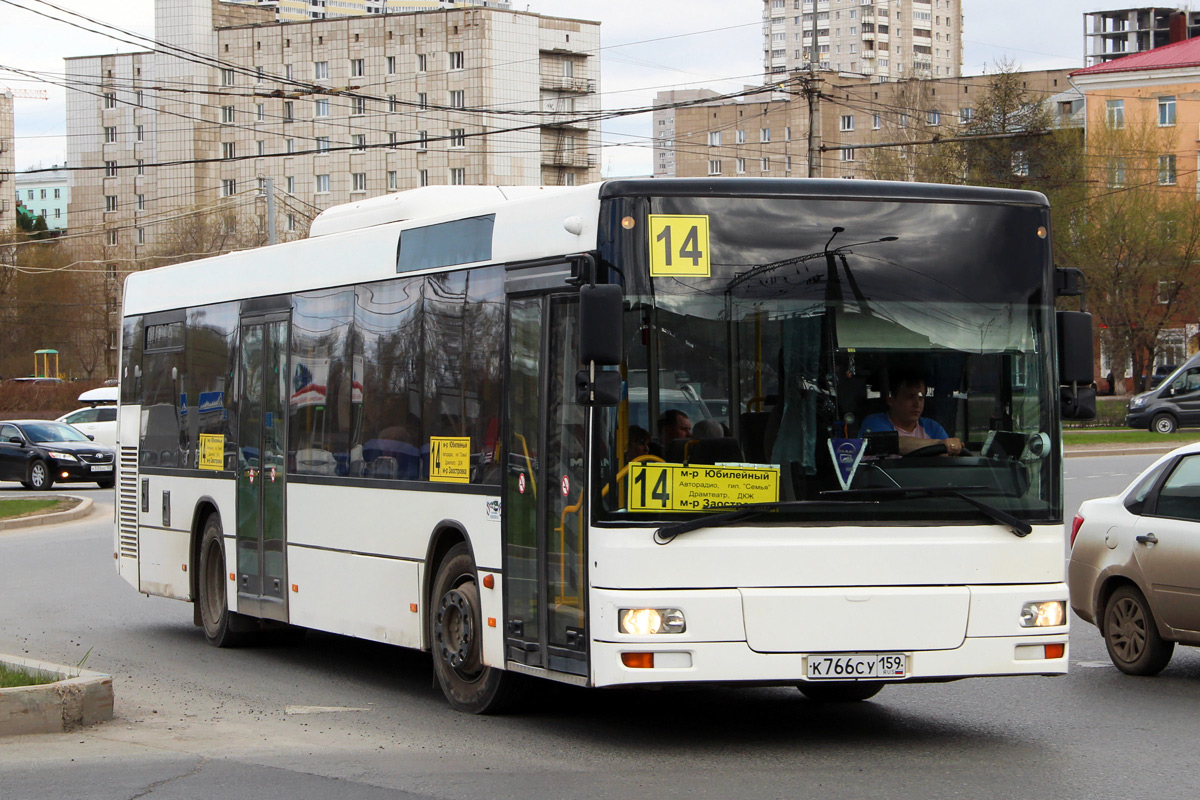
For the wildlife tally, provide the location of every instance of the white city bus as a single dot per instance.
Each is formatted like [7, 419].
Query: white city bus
[423, 425]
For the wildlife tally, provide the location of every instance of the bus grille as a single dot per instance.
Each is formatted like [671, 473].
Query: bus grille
[127, 503]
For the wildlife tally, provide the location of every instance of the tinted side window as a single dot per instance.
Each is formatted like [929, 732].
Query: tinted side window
[1179, 497]
[321, 399]
[84, 415]
[1136, 501]
[131, 360]
[107, 414]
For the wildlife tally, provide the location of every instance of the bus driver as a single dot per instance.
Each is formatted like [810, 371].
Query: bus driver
[906, 401]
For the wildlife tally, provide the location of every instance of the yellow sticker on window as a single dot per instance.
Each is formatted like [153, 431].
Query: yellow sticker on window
[679, 246]
[450, 459]
[212, 451]
[675, 487]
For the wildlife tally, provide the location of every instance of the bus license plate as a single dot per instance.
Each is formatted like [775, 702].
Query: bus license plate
[857, 666]
[102, 467]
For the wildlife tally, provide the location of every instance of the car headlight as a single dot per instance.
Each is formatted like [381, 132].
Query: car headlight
[55, 454]
[1138, 401]
[1049, 614]
[648, 621]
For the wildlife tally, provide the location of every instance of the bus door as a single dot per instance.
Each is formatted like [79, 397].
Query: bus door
[262, 395]
[545, 564]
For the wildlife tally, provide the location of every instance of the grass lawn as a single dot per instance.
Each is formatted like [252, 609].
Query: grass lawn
[1128, 436]
[23, 507]
[11, 676]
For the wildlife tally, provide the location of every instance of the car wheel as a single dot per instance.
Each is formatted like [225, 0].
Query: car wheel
[39, 476]
[215, 616]
[456, 636]
[840, 691]
[1131, 635]
[1163, 423]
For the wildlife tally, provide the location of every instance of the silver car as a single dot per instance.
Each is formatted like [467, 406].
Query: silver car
[1135, 564]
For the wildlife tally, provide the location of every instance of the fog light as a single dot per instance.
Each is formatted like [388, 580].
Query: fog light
[648, 621]
[1050, 614]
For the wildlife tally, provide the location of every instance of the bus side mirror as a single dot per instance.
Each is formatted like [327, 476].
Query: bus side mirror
[600, 312]
[1076, 368]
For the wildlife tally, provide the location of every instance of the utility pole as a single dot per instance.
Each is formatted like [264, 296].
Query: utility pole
[270, 189]
[812, 93]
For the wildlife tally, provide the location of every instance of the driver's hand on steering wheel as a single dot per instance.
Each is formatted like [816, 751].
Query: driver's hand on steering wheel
[954, 446]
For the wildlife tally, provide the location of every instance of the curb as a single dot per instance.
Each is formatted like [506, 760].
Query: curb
[80, 697]
[84, 508]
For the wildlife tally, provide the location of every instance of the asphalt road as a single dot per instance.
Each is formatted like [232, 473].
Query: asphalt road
[332, 717]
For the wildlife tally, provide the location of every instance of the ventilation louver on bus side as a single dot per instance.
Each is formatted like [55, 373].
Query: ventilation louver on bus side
[127, 503]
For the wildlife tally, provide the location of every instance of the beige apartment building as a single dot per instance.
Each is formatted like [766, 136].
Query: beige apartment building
[880, 39]
[8, 164]
[304, 10]
[768, 137]
[328, 111]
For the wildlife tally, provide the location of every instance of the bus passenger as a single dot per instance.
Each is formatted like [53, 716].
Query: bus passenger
[906, 401]
[639, 443]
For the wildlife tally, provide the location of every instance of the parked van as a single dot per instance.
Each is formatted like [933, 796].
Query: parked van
[1173, 404]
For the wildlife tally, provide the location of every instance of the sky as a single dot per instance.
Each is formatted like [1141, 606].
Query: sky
[647, 46]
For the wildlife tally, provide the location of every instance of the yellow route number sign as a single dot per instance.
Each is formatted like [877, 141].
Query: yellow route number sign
[450, 459]
[674, 487]
[212, 451]
[679, 246]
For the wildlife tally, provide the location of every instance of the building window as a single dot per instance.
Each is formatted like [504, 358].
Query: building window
[110, 171]
[1166, 170]
[227, 114]
[110, 202]
[322, 184]
[43, 194]
[322, 144]
[110, 135]
[876, 122]
[714, 138]
[228, 150]
[714, 167]
[933, 117]
[423, 177]
[422, 140]
[322, 108]
[1114, 113]
[1116, 173]
[289, 145]
[228, 187]
[966, 114]
[321, 70]
[358, 181]
[392, 182]
[358, 67]
[140, 133]
[259, 74]
[262, 147]
[110, 100]
[360, 141]
[422, 62]
[847, 122]
[847, 154]
[422, 100]
[764, 134]
[290, 183]
[112, 238]
[392, 139]
[766, 165]
[227, 77]
[741, 166]
[1166, 290]
[289, 112]
[141, 166]
[393, 103]
[260, 111]
[358, 106]
[456, 60]
[138, 97]
[141, 235]
[740, 137]
[56, 194]
[1166, 111]
[291, 222]
[1020, 164]
[391, 65]
[458, 137]
[141, 202]
[458, 98]
[458, 176]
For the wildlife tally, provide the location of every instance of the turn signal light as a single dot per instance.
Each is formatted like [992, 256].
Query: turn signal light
[1056, 650]
[1076, 524]
[638, 660]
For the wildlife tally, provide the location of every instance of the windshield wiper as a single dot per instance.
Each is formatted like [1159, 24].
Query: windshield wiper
[736, 513]
[1019, 527]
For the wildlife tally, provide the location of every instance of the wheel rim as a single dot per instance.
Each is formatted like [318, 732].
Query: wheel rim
[1127, 630]
[455, 631]
[214, 585]
[1164, 425]
[37, 475]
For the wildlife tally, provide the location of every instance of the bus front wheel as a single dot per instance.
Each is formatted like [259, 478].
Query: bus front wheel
[215, 616]
[456, 638]
[840, 691]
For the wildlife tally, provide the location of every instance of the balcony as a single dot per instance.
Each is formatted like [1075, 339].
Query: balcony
[561, 83]
[565, 119]
[568, 158]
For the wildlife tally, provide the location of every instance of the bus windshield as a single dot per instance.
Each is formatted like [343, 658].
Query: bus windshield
[788, 337]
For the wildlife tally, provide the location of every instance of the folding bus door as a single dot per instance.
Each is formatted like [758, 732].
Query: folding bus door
[545, 564]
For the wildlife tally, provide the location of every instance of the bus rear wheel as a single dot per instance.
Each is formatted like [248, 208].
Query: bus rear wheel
[456, 638]
[215, 616]
[840, 691]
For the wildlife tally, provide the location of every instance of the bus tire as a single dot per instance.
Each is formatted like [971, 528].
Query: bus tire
[840, 691]
[215, 616]
[456, 639]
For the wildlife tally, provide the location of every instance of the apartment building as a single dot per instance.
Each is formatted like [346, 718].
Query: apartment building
[46, 194]
[855, 117]
[330, 111]
[881, 39]
[8, 163]
[304, 10]
[1115, 33]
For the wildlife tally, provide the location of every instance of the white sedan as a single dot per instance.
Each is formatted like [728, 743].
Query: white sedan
[99, 422]
[1135, 564]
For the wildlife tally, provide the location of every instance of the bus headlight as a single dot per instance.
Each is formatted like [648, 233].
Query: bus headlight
[1050, 614]
[647, 621]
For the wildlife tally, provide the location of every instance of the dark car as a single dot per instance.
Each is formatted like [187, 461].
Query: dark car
[1173, 404]
[40, 453]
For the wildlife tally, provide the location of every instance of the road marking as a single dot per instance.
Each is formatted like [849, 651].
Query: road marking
[1093, 664]
[320, 709]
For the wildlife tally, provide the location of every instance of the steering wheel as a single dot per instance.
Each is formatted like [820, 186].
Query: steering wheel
[937, 449]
